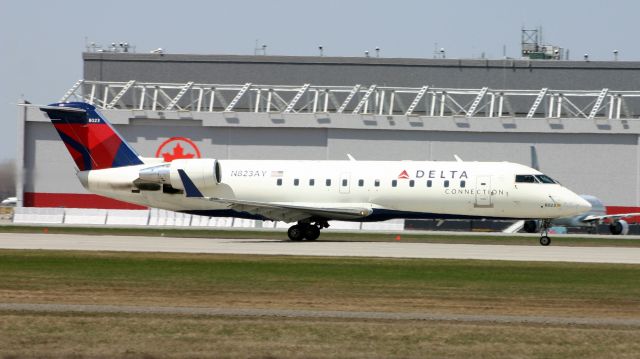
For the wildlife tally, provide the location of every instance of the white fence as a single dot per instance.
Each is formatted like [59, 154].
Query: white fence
[160, 217]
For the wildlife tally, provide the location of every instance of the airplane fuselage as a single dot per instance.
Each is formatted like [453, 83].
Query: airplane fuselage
[391, 189]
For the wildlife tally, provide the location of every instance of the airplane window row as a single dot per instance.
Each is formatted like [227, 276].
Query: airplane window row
[376, 183]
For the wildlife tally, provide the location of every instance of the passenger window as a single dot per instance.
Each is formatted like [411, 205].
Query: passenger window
[463, 184]
[394, 183]
[412, 183]
[429, 183]
[376, 183]
[344, 182]
[360, 183]
[446, 183]
[279, 182]
[312, 182]
[328, 182]
[296, 182]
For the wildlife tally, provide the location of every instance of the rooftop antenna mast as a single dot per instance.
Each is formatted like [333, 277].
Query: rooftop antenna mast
[260, 50]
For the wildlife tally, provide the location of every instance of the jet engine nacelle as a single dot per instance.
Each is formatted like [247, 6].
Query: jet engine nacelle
[203, 172]
[619, 227]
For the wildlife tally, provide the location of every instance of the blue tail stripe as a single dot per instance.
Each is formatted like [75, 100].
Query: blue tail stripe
[125, 156]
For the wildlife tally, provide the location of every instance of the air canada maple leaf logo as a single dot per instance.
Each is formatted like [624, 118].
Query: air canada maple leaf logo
[177, 148]
[403, 175]
[178, 152]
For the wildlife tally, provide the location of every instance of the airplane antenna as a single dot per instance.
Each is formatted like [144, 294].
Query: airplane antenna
[458, 159]
[351, 158]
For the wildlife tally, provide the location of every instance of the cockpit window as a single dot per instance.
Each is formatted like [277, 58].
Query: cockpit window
[526, 179]
[534, 179]
[545, 179]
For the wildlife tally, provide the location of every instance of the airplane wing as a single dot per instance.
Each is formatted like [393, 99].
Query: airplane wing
[292, 212]
[592, 218]
[283, 211]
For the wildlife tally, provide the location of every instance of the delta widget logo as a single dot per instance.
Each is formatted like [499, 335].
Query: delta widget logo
[403, 175]
[177, 148]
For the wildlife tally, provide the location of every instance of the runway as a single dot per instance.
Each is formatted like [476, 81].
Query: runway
[320, 248]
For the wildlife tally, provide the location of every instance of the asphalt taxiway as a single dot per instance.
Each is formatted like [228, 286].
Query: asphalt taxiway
[320, 248]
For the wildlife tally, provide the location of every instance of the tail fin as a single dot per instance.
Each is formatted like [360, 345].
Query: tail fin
[92, 142]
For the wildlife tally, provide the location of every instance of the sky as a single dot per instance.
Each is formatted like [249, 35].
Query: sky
[41, 42]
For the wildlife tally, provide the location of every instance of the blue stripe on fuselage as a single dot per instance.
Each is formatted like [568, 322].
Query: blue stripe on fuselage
[376, 216]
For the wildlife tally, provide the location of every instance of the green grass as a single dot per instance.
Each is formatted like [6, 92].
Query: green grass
[362, 284]
[328, 283]
[40, 335]
[433, 237]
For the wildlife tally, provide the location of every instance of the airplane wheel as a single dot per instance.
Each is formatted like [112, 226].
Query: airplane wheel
[545, 240]
[312, 233]
[295, 233]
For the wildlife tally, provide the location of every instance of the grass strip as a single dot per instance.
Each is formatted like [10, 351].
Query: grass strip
[149, 336]
[245, 281]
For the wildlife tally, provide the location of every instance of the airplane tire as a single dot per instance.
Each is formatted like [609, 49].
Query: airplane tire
[295, 233]
[545, 240]
[312, 233]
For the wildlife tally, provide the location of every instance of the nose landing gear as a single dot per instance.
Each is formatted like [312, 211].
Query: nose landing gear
[544, 238]
[306, 230]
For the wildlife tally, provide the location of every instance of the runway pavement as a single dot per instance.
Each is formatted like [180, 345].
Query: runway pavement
[320, 248]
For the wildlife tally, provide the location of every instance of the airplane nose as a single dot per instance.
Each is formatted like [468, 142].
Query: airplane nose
[577, 204]
[584, 205]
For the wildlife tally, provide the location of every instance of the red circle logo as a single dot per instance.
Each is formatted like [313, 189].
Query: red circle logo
[177, 148]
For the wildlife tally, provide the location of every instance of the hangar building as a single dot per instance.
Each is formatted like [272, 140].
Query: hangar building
[578, 118]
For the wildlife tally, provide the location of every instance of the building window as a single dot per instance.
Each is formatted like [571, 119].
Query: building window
[360, 183]
[296, 182]
[394, 183]
[279, 182]
[328, 182]
[429, 183]
[376, 183]
[446, 183]
[312, 182]
[463, 183]
[412, 183]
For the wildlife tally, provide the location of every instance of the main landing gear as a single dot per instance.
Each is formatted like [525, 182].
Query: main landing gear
[544, 238]
[306, 230]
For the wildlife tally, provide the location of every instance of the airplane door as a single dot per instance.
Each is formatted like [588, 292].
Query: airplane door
[483, 191]
[345, 183]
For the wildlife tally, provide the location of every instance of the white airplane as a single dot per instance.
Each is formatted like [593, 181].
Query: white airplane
[590, 219]
[307, 192]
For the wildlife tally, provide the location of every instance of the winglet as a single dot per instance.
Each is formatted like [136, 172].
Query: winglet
[189, 187]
